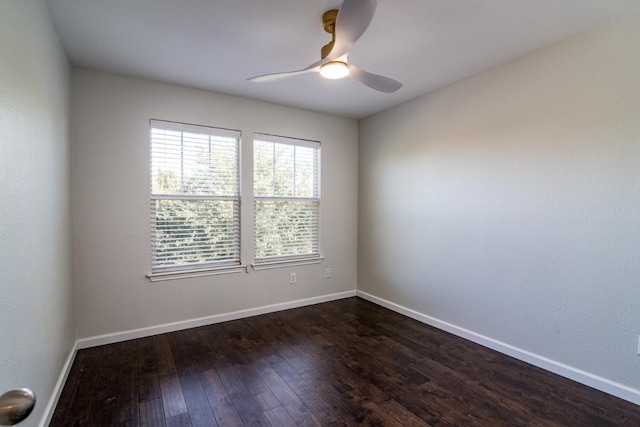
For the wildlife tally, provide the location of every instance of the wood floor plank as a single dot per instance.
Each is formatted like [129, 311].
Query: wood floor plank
[182, 359]
[340, 363]
[340, 409]
[198, 349]
[103, 411]
[164, 357]
[230, 379]
[198, 407]
[152, 413]
[278, 416]
[181, 420]
[127, 388]
[248, 409]
[69, 391]
[402, 415]
[148, 383]
[148, 386]
[224, 411]
[79, 408]
[172, 397]
[473, 393]
[263, 396]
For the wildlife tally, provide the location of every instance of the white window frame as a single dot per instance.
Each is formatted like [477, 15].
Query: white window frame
[160, 272]
[314, 256]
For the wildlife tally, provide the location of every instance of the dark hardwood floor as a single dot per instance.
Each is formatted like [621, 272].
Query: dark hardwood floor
[342, 363]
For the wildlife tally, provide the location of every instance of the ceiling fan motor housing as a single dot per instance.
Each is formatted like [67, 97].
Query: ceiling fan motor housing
[329, 25]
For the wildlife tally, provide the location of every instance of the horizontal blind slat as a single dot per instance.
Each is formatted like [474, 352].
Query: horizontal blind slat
[195, 201]
[287, 198]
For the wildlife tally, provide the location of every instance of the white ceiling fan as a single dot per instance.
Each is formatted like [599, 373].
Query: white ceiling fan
[345, 26]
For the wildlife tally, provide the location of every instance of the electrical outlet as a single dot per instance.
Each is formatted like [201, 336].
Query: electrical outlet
[292, 278]
[327, 273]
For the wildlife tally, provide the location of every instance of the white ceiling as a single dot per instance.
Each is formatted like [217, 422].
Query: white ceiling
[217, 44]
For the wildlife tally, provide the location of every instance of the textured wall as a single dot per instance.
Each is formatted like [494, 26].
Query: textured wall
[508, 204]
[111, 204]
[36, 323]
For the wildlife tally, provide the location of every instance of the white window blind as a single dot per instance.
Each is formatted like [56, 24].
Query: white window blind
[287, 198]
[195, 197]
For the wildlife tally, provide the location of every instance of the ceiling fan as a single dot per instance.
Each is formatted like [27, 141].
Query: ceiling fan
[345, 26]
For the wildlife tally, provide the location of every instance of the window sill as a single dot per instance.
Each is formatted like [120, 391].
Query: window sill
[265, 265]
[188, 274]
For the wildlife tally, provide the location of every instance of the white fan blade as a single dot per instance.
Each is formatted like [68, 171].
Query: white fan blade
[353, 20]
[275, 76]
[374, 81]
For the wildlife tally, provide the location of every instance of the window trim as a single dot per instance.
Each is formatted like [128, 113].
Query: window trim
[161, 273]
[297, 259]
[199, 272]
[269, 264]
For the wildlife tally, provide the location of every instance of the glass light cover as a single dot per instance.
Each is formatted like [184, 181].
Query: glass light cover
[334, 70]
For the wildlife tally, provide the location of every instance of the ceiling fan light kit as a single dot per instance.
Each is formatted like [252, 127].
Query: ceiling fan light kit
[334, 70]
[345, 26]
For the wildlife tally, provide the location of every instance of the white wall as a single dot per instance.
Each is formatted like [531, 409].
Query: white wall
[111, 204]
[36, 314]
[508, 204]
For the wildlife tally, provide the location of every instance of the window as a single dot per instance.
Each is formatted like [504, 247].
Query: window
[286, 198]
[195, 198]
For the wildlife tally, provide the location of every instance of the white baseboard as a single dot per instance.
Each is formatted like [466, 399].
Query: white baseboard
[619, 390]
[57, 389]
[208, 320]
